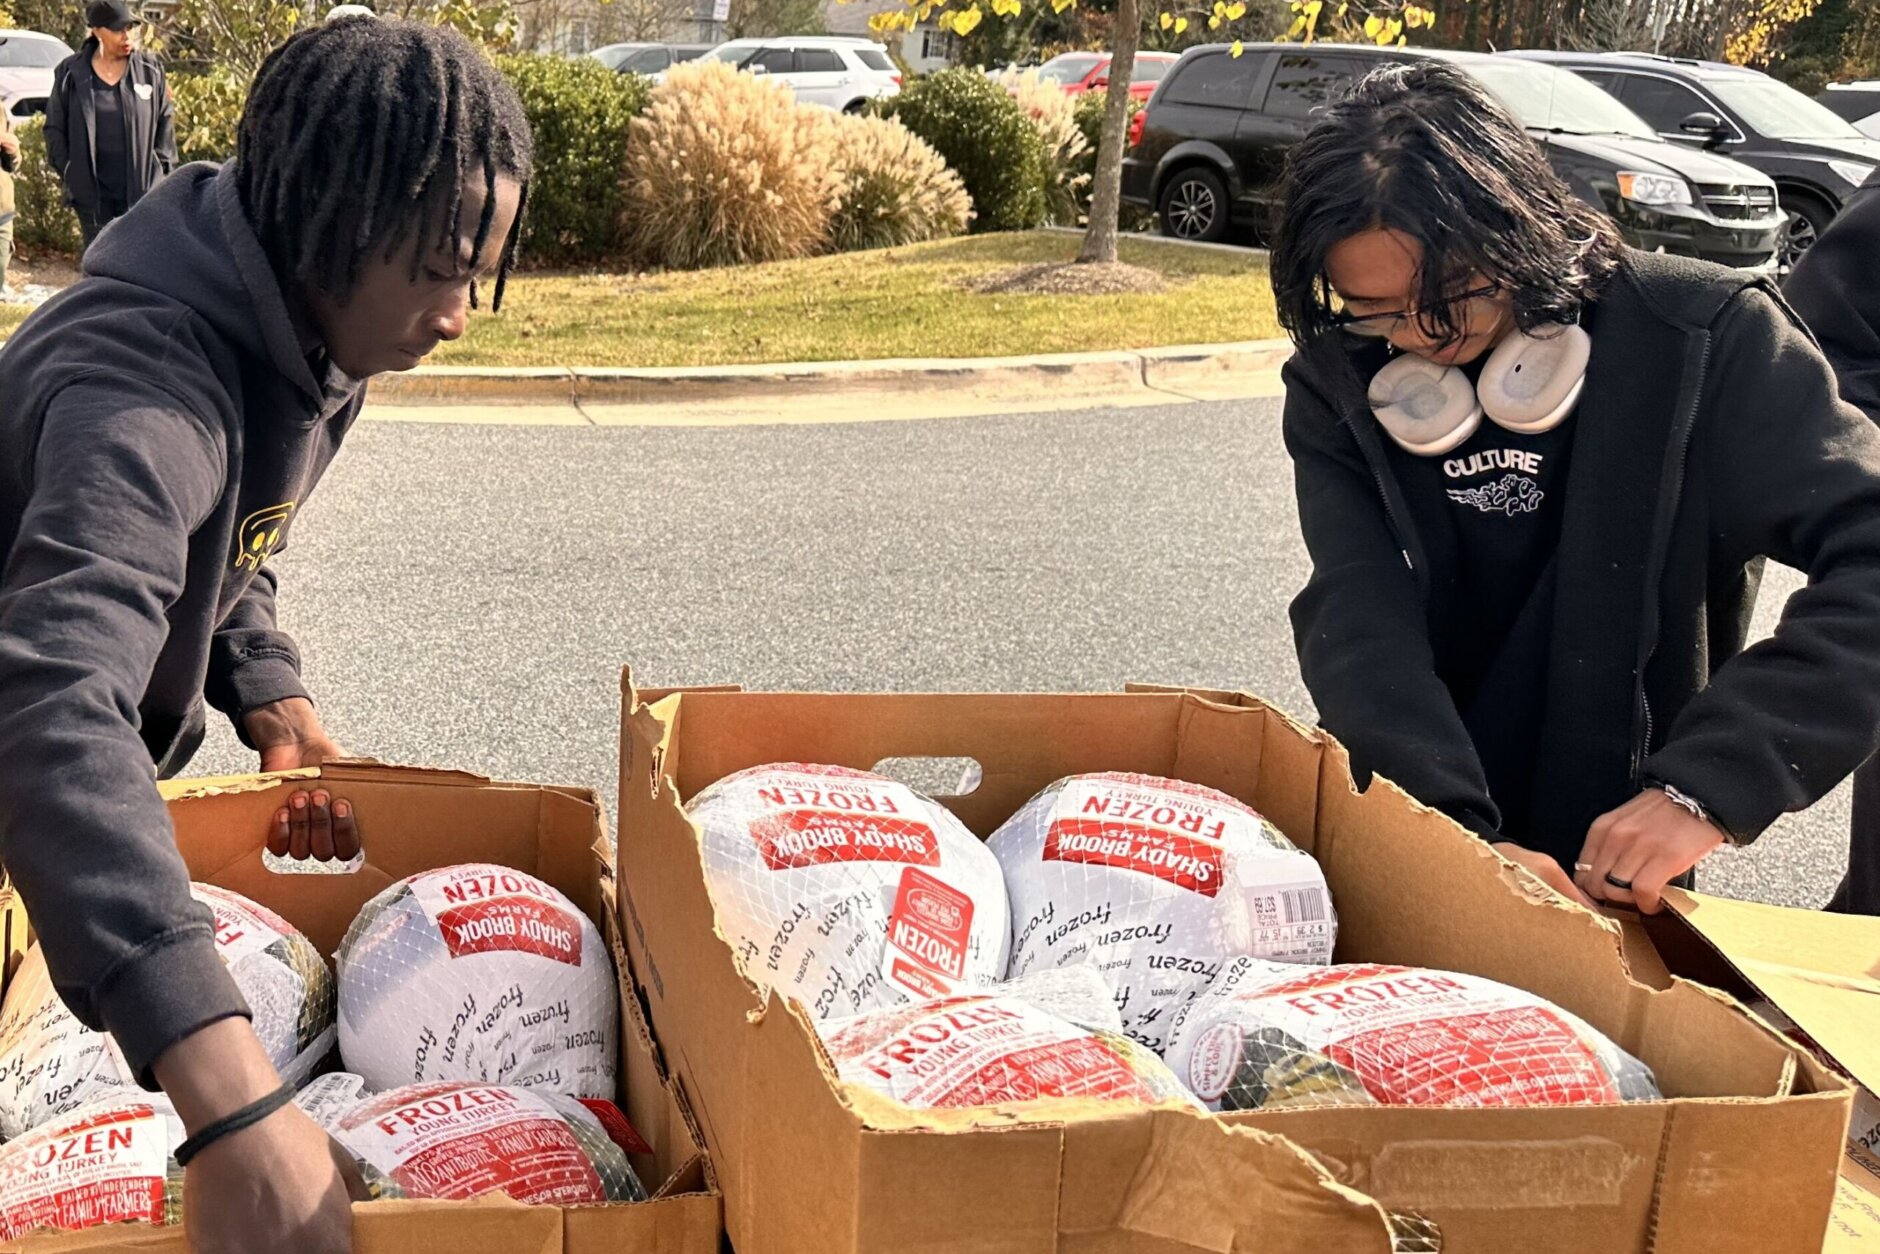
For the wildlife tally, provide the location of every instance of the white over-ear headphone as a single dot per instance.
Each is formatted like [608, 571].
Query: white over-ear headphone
[1530, 384]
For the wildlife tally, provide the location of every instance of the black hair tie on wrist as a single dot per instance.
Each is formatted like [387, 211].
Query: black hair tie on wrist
[228, 1125]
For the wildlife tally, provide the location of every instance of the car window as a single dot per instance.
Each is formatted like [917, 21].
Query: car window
[1070, 67]
[1661, 102]
[1779, 111]
[646, 61]
[817, 61]
[683, 55]
[773, 60]
[732, 54]
[1305, 83]
[1214, 78]
[876, 60]
[1543, 98]
[1150, 71]
[31, 54]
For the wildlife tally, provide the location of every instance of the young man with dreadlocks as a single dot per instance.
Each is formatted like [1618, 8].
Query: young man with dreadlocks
[161, 424]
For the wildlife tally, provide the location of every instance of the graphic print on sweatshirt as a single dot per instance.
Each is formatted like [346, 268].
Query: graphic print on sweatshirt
[260, 535]
[1515, 492]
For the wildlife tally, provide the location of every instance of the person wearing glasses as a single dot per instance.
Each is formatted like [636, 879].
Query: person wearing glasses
[109, 131]
[1538, 474]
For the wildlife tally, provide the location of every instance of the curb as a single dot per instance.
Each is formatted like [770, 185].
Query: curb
[1181, 370]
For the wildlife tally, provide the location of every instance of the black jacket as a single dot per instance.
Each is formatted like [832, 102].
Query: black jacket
[72, 127]
[1708, 436]
[1836, 289]
[160, 429]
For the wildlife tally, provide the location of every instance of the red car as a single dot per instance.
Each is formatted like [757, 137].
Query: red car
[1079, 72]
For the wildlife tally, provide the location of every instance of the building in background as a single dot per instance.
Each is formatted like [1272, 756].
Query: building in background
[923, 49]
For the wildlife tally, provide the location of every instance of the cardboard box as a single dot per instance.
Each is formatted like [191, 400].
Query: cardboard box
[413, 820]
[1742, 1157]
[1816, 977]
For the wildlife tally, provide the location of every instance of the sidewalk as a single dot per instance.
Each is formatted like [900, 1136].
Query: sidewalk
[824, 392]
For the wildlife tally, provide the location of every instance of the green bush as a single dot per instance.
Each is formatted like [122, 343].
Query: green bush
[582, 114]
[208, 112]
[43, 223]
[989, 141]
[1090, 122]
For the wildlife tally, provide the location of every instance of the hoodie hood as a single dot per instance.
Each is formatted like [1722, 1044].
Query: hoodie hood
[189, 242]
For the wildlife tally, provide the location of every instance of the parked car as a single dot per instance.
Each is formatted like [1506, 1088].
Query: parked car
[1815, 157]
[828, 70]
[652, 60]
[1208, 152]
[1079, 72]
[1858, 103]
[27, 60]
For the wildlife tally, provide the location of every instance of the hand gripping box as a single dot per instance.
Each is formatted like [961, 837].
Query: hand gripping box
[414, 820]
[1741, 1156]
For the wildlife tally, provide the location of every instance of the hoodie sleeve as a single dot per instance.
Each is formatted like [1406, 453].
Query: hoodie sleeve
[1794, 475]
[166, 124]
[57, 151]
[1362, 636]
[252, 662]
[1836, 290]
[120, 481]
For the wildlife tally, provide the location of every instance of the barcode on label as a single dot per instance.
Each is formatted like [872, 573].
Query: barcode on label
[1303, 905]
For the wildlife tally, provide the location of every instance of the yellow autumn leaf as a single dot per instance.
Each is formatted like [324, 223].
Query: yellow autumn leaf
[1167, 20]
[1181, 24]
[1058, 6]
[1214, 23]
[1236, 11]
[1403, 41]
[1410, 18]
[1236, 50]
[1312, 9]
[1220, 8]
[1298, 28]
[1373, 25]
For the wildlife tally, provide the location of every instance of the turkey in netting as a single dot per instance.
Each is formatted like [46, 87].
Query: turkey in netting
[1266, 1036]
[477, 973]
[459, 1141]
[1159, 883]
[109, 1161]
[51, 1064]
[847, 890]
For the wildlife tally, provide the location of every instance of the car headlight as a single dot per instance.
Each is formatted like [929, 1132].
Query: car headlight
[1653, 189]
[1855, 172]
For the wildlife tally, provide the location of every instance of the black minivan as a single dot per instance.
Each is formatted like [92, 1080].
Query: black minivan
[1209, 150]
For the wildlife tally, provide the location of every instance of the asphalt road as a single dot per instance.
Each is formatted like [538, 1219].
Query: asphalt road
[466, 595]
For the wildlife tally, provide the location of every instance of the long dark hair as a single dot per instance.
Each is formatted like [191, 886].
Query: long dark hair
[1426, 150]
[363, 132]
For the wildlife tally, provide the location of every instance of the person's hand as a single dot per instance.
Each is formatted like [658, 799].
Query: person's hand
[1545, 868]
[313, 824]
[275, 1186]
[1643, 845]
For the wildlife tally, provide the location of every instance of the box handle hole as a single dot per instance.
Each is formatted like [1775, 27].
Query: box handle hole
[937, 777]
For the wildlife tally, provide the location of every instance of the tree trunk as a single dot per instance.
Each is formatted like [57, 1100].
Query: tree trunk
[1106, 189]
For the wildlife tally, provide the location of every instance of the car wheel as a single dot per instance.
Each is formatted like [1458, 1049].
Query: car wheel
[1808, 218]
[855, 106]
[1194, 205]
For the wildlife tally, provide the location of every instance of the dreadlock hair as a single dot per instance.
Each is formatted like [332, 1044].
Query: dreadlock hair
[363, 133]
[1426, 150]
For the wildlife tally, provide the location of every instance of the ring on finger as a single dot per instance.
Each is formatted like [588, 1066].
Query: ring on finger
[1616, 882]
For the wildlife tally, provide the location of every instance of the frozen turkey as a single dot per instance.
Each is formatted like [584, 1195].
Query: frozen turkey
[1158, 883]
[849, 891]
[481, 974]
[458, 1141]
[990, 1049]
[1268, 1036]
[110, 1161]
[50, 1063]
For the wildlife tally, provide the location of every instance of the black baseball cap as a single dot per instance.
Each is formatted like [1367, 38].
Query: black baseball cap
[110, 15]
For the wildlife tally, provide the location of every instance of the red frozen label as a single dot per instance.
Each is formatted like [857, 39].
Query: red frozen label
[931, 922]
[618, 1129]
[512, 924]
[102, 1169]
[1081, 1067]
[1185, 861]
[1517, 1056]
[460, 1141]
[790, 839]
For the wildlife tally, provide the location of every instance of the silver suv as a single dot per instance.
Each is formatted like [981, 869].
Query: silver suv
[827, 70]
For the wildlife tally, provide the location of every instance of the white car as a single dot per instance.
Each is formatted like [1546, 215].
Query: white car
[27, 60]
[827, 70]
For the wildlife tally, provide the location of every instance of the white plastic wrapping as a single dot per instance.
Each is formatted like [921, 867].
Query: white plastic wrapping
[479, 974]
[1267, 1036]
[1158, 883]
[990, 1049]
[51, 1064]
[849, 891]
[110, 1161]
[459, 1141]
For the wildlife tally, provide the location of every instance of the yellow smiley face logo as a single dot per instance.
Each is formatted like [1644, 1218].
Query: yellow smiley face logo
[260, 535]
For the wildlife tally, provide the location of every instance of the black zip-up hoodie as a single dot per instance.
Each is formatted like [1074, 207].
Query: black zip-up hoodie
[160, 426]
[1709, 436]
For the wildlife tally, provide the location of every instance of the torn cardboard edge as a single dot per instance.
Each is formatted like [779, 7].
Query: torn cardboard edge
[445, 817]
[731, 1052]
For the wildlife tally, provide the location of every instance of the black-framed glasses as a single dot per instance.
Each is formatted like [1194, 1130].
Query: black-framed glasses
[1384, 325]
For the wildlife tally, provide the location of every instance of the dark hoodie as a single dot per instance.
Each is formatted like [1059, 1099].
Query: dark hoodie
[160, 427]
[1708, 437]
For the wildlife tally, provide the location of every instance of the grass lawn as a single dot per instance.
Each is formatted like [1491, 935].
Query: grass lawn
[903, 302]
